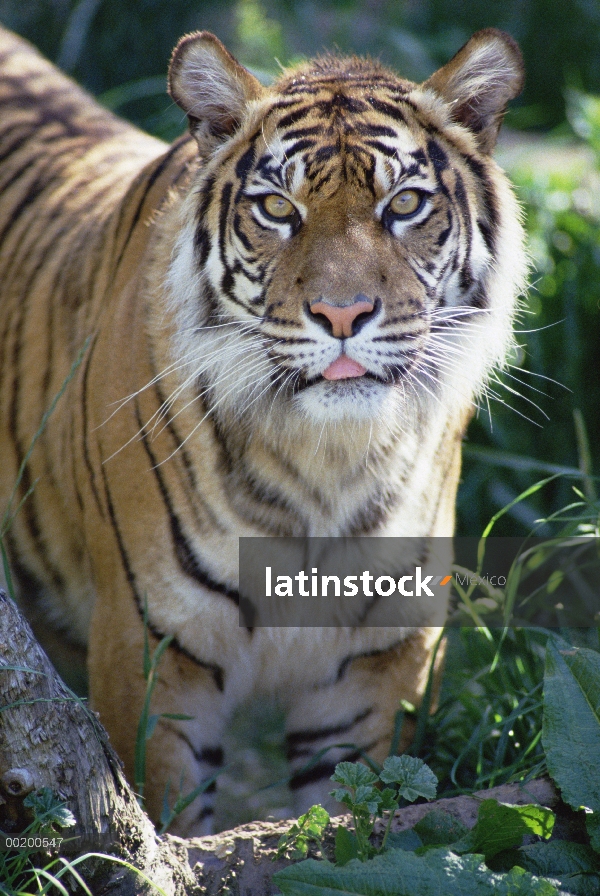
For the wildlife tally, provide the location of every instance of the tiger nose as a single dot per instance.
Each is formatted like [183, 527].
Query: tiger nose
[342, 317]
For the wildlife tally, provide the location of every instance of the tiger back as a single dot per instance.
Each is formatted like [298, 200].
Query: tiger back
[278, 326]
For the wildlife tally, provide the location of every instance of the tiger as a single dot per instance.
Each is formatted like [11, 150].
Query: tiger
[277, 326]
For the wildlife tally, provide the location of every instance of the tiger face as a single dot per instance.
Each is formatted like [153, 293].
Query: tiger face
[348, 221]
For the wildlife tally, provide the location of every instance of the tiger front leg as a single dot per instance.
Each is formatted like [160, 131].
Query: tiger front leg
[182, 754]
[355, 714]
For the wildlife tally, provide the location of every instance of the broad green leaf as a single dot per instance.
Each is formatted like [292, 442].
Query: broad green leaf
[501, 827]
[412, 777]
[353, 774]
[346, 845]
[372, 807]
[49, 809]
[439, 828]
[388, 801]
[408, 840]
[559, 857]
[400, 873]
[365, 793]
[592, 823]
[571, 726]
[342, 796]
[575, 866]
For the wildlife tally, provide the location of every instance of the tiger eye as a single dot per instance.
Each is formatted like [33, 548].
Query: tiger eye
[277, 206]
[406, 202]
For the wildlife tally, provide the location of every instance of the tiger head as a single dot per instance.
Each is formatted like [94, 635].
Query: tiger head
[349, 250]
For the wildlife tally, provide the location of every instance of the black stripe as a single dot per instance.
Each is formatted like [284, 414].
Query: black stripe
[217, 672]
[488, 228]
[213, 756]
[295, 738]
[192, 491]
[298, 147]
[166, 159]
[74, 442]
[210, 755]
[368, 129]
[29, 507]
[387, 109]
[237, 228]
[341, 102]
[202, 240]
[204, 813]
[369, 518]
[244, 164]
[444, 234]
[466, 276]
[188, 562]
[347, 661]
[22, 132]
[438, 157]
[223, 213]
[294, 117]
[320, 771]
[389, 151]
[400, 337]
[84, 424]
[32, 192]
[309, 131]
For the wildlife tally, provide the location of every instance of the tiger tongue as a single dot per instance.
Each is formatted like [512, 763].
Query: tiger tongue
[343, 368]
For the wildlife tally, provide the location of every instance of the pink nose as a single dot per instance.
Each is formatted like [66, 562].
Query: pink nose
[342, 317]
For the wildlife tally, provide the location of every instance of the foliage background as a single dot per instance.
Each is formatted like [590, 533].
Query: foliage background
[119, 49]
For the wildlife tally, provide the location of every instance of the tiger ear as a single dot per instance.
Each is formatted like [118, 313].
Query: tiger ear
[211, 87]
[479, 81]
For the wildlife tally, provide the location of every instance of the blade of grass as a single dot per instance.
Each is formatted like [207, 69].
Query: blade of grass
[585, 456]
[9, 514]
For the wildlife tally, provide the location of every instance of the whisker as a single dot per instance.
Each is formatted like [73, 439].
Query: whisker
[519, 395]
[540, 375]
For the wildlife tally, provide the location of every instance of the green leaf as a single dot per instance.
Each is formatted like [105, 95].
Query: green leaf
[310, 826]
[366, 793]
[501, 827]
[346, 845]
[353, 774]
[315, 820]
[343, 796]
[575, 866]
[439, 828]
[48, 809]
[592, 823]
[411, 775]
[401, 873]
[559, 857]
[571, 725]
[408, 840]
[388, 801]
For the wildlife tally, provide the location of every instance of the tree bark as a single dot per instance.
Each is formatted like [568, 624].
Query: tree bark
[50, 738]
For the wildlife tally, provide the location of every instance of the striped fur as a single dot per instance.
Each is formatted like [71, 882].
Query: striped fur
[214, 399]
